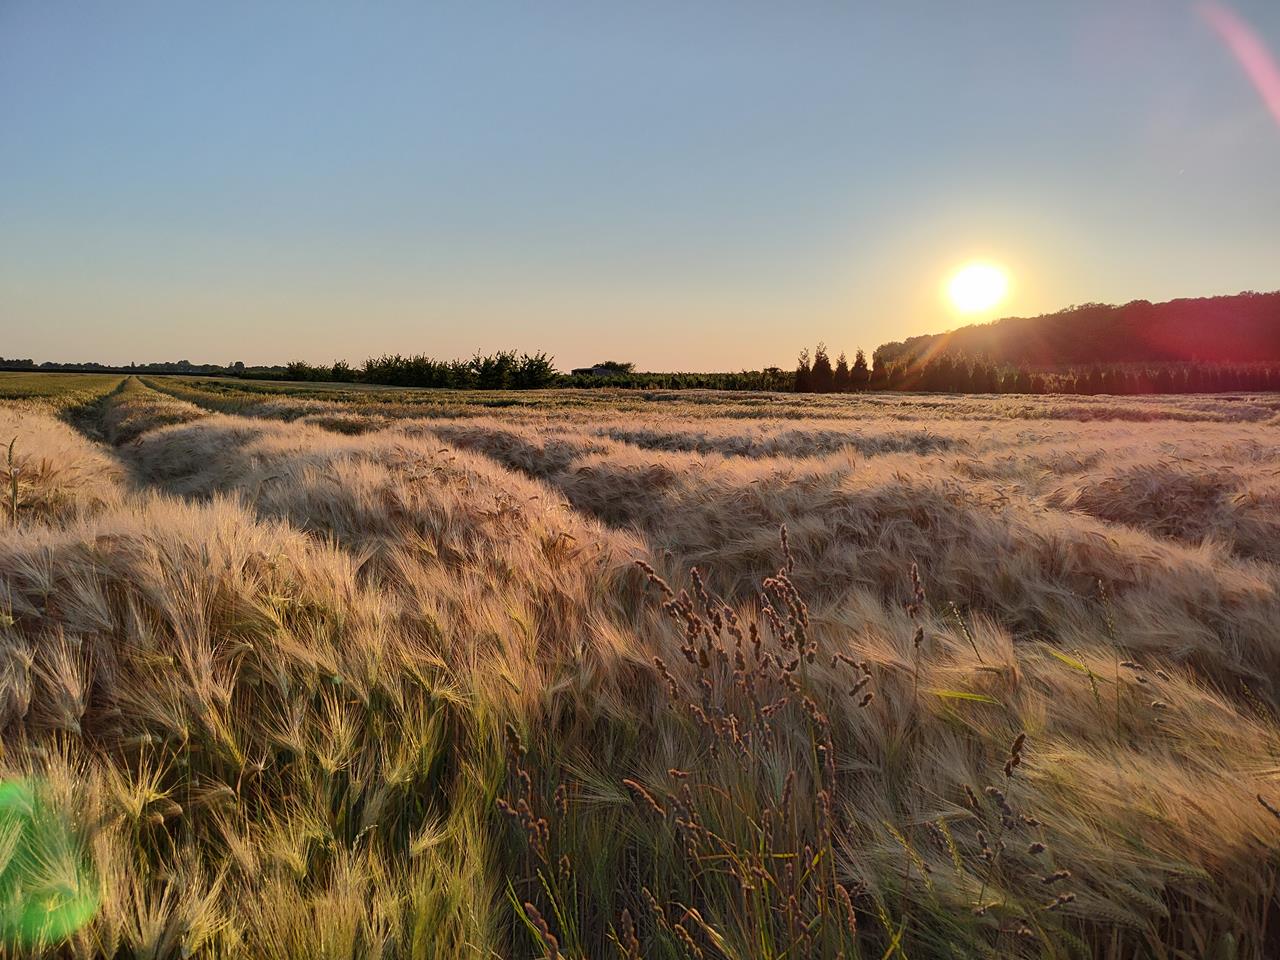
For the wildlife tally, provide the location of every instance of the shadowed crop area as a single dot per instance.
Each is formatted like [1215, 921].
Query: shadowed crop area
[307, 672]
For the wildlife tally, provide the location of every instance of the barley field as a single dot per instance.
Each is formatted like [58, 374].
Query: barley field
[58, 390]
[586, 674]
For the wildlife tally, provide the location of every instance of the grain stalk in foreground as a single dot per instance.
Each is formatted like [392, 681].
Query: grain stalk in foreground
[13, 485]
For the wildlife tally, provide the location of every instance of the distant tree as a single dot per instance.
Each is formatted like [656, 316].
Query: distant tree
[772, 378]
[615, 366]
[804, 376]
[990, 381]
[532, 371]
[300, 370]
[923, 376]
[895, 376]
[878, 378]
[840, 380]
[937, 376]
[859, 376]
[1094, 382]
[822, 376]
[493, 372]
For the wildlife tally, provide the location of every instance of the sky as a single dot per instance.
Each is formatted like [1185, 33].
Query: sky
[688, 186]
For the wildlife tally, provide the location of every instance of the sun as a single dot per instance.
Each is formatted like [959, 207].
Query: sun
[977, 286]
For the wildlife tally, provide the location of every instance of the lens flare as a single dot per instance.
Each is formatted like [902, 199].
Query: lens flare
[47, 890]
[1249, 49]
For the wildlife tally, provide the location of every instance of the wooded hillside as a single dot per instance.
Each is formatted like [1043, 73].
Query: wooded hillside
[1244, 328]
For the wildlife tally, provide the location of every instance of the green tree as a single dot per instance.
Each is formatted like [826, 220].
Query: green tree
[859, 375]
[804, 375]
[840, 380]
[822, 377]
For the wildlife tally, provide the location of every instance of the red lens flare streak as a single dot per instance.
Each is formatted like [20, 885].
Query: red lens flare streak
[1249, 50]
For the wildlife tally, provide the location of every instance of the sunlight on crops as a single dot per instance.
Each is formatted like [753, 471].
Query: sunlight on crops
[638, 674]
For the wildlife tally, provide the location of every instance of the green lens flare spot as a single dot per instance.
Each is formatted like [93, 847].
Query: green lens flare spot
[47, 891]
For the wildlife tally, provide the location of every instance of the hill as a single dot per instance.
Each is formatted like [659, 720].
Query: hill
[1229, 329]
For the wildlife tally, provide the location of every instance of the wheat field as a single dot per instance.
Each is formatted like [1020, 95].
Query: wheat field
[580, 674]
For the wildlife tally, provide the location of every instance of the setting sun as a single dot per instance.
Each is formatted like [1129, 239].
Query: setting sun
[977, 286]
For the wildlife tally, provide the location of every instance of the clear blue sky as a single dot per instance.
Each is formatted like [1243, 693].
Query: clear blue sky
[705, 185]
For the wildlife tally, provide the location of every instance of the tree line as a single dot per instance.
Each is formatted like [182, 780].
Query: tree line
[503, 370]
[507, 370]
[1242, 328]
[820, 376]
[948, 372]
[769, 379]
[90, 366]
[957, 374]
